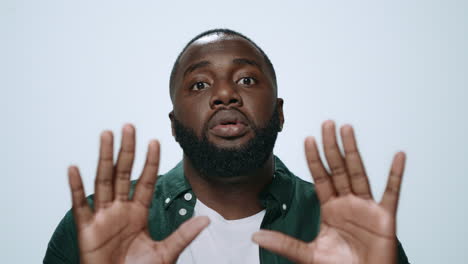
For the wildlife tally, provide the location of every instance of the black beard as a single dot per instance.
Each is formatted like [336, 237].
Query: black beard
[215, 162]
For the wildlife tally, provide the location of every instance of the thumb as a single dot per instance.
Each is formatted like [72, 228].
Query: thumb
[295, 250]
[183, 236]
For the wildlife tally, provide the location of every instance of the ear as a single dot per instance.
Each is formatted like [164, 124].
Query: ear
[279, 105]
[171, 117]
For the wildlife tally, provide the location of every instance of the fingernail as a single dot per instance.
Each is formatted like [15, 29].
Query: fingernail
[106, 135]
[258, 236]
[152, 144]
[203, 220]
[128, 128]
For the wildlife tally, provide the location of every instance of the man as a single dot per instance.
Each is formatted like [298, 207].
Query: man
[226, 117]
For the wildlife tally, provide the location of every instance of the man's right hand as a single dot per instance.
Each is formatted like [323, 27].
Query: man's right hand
[117, 230]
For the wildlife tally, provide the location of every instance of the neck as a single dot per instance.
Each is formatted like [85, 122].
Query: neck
[232, 197]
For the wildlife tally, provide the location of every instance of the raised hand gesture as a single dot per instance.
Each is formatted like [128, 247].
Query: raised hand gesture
[354, 227]
[117, 230]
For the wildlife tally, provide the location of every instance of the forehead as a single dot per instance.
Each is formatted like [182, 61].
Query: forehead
[214, 46]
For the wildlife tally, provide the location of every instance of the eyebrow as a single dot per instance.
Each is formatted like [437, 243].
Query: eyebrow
[196, 66]
[243, 61]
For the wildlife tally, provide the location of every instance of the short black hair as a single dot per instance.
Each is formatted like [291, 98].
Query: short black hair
[218, 31]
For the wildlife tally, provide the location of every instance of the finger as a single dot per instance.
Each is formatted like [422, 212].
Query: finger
[334, 159]
[183, 236]
[125, 163]
[291, 248]
[392, 192]
[145, 186]
[81, 210]
[357, 173]
[103, 183]
[323, 184]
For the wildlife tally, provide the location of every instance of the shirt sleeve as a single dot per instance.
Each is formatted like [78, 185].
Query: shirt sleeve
[402, 259]
[62, 247]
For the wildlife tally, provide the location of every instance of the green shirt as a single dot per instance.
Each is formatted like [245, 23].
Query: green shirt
[291, 204]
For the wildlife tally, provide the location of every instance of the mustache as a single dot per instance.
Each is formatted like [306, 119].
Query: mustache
[274, 122]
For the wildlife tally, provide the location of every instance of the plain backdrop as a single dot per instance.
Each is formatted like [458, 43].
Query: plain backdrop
[396, 70]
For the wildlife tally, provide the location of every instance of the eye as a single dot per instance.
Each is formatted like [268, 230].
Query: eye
[246, 81]
[199, 86]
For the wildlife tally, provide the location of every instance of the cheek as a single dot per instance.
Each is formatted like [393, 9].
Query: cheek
[192, 113]
[260, 108]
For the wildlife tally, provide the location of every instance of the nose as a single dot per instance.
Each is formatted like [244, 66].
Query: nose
[225, 94]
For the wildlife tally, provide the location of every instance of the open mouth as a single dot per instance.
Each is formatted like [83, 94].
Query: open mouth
[229, 129]
[228, 124]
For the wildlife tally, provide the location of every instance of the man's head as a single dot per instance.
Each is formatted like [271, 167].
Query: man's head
[226, 112]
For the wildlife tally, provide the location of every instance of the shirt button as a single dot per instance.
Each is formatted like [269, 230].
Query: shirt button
[183, 211]
[188, 196]
[167, 200]
[285, 207]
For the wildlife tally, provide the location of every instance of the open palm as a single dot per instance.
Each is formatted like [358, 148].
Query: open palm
[116, 231]
[354, 228]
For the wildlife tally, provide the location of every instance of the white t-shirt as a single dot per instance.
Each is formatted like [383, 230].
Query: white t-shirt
[223, 241]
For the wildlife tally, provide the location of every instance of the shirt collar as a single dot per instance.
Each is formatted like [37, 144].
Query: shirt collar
[174, 184]
[279, 191]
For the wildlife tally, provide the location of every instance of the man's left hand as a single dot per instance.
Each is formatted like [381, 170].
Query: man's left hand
[354, 227]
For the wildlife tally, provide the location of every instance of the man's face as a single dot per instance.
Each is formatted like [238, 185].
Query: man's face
[223, 89]
[226, 115]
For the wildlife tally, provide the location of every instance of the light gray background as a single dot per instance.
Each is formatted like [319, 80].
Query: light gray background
[396, 70]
